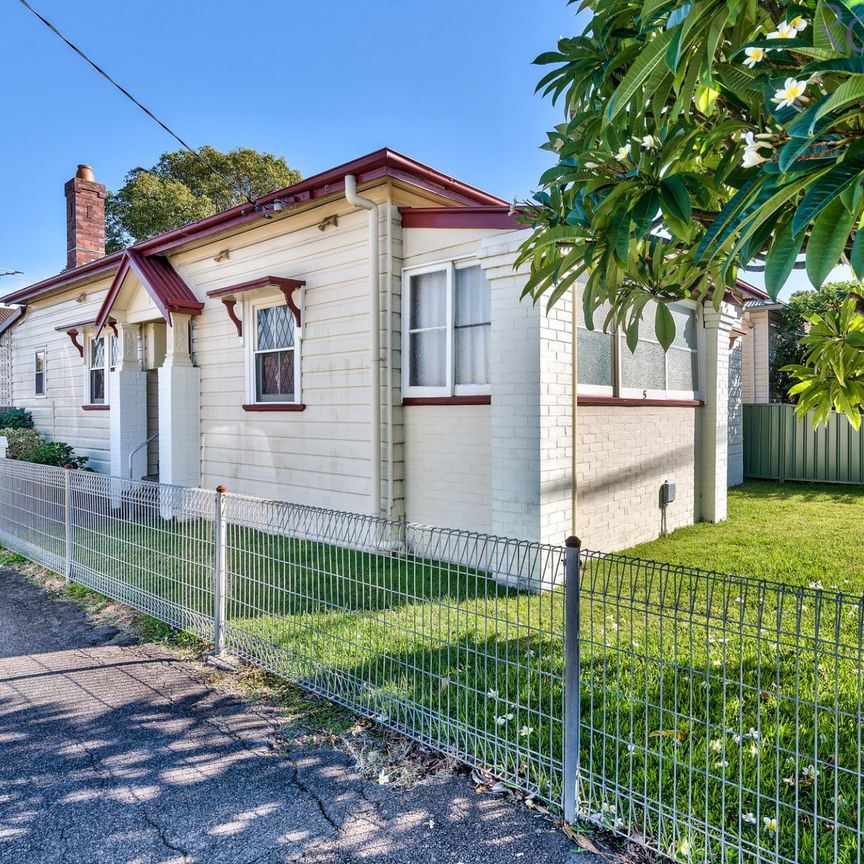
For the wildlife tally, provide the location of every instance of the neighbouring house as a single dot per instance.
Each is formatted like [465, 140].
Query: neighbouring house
[240, 347]
[763, 320]
[8, 316]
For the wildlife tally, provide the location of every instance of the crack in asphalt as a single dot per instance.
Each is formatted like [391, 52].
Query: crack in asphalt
[162, 832]
[296, 781]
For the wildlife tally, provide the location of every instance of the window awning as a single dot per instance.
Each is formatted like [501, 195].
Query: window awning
[285, 285]
[73, 330]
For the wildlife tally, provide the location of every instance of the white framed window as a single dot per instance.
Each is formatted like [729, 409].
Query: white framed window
[101, 356]
[40, 383]
[447, 319]
[273, 354]
[607, 367]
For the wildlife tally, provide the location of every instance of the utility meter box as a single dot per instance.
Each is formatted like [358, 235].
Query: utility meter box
[667, 493]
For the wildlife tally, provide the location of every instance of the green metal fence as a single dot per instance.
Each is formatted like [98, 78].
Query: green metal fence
[779, 446]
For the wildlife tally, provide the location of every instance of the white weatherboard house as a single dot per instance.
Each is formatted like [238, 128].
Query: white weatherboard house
[358, 343]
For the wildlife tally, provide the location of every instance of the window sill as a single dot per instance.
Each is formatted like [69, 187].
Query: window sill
[95, 407]
[447, 400]
[276, 406]
[639, 403]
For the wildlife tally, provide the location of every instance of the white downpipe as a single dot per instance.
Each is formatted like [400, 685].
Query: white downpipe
[388, 366]
[368, 204]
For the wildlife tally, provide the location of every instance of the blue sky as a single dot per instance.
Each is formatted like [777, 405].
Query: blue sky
[449, 83]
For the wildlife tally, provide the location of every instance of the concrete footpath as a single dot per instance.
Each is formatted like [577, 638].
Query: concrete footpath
[122, 754]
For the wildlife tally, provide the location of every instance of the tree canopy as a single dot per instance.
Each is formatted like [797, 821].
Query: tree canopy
[700, 137]
[180, 188]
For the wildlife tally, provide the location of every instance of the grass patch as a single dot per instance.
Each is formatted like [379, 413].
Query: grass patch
[796, 533]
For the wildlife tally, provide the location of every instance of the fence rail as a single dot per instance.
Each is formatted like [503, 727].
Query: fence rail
[709, 717]
[779, 446]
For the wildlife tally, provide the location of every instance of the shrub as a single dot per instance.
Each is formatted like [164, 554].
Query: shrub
[57, 453]
[27, 445]
[22, 442]
[16, 418]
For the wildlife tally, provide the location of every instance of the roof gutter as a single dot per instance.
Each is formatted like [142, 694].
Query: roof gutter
[369, 205]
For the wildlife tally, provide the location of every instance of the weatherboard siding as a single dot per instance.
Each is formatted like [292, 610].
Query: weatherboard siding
[319, 456]
[59, 415]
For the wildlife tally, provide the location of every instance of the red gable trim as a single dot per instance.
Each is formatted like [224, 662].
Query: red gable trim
[488, 216]
[167, 290]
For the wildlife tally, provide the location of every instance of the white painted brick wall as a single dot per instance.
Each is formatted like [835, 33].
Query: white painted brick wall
[714, 415]
[624, 454]
[530, 359]
[179, 426]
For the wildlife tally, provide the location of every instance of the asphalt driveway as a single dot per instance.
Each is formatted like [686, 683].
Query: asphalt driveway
[112, 753]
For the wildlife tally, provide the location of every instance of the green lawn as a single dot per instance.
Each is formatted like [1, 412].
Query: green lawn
[711, 706]
[794, 533]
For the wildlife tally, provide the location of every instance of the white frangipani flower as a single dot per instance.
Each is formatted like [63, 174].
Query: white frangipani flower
[684, 848]
[769, 823]
[789, 93]
[503, 719]
[752, 156]
[623, 153]
[799, 23]
[525, 731]
[753, 56]
[784, 31]
[749, 818]
[650, 142]
[492, 694]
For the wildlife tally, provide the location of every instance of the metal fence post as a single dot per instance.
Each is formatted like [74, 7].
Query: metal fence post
[219, 572]
[572, 675]
[67, 518]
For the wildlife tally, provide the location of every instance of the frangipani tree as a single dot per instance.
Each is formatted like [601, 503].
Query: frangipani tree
[701, 137]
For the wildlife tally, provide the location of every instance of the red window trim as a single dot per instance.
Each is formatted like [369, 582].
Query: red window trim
[639, 403]
[100, 407]
[275, 406]
[447, 400]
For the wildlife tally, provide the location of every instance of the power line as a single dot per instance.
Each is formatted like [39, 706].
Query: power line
[144, 108]
[12, 273]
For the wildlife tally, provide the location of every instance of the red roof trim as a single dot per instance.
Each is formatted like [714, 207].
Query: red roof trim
[373, 166]
[490, 216]
[161, 281]
[66, 278]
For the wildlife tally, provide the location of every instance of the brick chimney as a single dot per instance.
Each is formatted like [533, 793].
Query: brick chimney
[85, 218]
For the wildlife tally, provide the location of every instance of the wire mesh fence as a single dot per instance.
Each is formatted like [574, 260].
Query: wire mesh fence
[709, 717]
